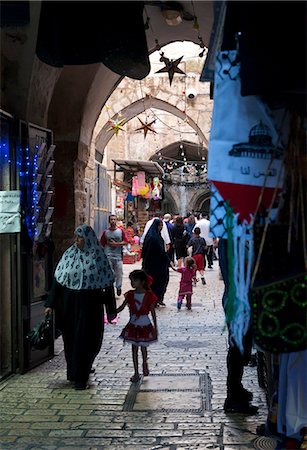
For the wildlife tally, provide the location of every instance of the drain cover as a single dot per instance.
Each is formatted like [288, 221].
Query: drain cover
[264, 443]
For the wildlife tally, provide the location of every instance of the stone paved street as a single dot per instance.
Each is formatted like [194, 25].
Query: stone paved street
[179, 406]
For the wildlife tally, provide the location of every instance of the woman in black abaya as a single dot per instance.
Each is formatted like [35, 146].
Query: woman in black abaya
[155, 260]
[82, 285]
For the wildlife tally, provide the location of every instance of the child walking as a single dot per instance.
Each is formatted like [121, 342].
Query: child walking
[139, 331]
[199, 248]
[188, 275]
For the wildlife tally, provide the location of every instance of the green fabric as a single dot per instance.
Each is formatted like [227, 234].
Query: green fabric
[231, 298]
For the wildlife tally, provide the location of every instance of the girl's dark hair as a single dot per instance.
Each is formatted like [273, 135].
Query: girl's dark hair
[189, 262]
[179, 220]
[140, 275]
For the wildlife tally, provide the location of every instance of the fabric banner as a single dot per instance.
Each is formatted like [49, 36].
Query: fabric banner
[245, 148]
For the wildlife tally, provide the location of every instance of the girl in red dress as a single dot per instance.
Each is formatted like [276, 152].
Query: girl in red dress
[188, 275]
[139, 331]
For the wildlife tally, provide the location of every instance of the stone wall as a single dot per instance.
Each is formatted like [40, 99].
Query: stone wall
[131, 144]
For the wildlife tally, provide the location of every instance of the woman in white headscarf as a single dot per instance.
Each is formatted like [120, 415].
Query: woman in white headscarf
[83, 283]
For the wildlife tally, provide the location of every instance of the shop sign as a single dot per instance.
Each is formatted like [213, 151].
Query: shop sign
[9, 211]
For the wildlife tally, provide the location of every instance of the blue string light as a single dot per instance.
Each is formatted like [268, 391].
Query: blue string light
[28, 185]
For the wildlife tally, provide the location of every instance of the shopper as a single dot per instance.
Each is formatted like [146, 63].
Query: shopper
[170, 227]
[82, 285]
[139, 331]
[155, 260]
[180, 240]
[189, 225]
[113, 240]
[204, 225]
[164, 231]
[199, 248]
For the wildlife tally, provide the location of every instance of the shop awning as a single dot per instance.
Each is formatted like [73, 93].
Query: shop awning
[150, 167]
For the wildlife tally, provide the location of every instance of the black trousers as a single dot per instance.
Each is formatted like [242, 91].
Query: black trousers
[235, 360]
[210, 255]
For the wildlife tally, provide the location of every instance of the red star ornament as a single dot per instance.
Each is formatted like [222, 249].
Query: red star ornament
[146, 127]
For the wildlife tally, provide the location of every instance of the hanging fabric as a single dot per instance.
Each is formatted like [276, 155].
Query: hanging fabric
[245, 167]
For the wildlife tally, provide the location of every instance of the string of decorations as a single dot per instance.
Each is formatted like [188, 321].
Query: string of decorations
[197, 28]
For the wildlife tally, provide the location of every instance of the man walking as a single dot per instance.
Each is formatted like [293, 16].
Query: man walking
[113, 239]
[204, 225]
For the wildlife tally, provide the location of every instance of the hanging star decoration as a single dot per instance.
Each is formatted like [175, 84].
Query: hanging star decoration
[146, 127]
[116, 125]
[171, 67]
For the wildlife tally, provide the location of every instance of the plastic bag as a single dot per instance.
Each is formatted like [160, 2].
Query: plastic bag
[41, 336]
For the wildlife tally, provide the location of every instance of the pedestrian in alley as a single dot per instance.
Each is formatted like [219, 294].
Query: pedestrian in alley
[188, 275]
[129, 232]
[189, 225]
[204, 225]
[82, 285]
[180, 240]
[170, 227]
[238, 398]
[164, 231]
[199, 249]
[113, 240]
[155, 260]
[139, 331]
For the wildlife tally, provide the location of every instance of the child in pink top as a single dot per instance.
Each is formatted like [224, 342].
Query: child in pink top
[188, 275]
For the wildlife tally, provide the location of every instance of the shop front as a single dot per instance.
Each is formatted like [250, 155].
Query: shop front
[26, 211]
[139, 195]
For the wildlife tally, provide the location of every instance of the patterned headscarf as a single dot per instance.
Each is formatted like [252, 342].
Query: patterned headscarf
[88, 268]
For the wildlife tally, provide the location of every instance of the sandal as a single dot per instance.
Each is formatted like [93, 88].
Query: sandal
[135, 378]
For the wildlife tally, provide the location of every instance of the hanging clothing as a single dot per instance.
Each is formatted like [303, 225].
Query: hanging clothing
[292, 388]
[155, 260]
[139, 330]
[79, 311]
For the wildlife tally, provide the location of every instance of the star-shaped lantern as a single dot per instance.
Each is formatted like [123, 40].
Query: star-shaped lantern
[171, 67]
[146, 127]
[116, 125]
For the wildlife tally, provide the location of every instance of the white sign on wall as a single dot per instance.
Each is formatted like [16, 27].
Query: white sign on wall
[9, 211]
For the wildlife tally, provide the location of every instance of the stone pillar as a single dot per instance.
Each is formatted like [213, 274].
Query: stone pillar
[64, 201]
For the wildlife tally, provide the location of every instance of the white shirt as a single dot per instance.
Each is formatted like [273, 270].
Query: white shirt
[164, 232]
[204, 226]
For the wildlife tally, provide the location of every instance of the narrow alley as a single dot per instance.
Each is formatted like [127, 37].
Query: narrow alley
[179, 406]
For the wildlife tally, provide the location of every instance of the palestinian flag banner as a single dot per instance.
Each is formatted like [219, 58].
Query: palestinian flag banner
[245, 168]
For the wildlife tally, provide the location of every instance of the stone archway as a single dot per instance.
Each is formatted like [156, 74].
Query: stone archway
[201, 202]
[138, 107]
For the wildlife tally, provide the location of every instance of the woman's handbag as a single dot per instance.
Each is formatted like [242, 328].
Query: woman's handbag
[41, 336]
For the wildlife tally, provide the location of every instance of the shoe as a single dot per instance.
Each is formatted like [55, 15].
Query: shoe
[179, 304]
[118, 292]
[245, 395]
[161, 304]
[135, 378]
[203, 281]
[210, 267]
[239, 407]
[81, 386]
[189, 308]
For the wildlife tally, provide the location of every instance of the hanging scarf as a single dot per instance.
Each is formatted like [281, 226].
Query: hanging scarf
[88, 268]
